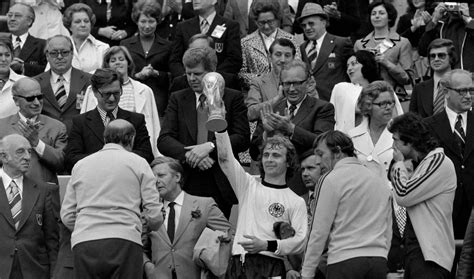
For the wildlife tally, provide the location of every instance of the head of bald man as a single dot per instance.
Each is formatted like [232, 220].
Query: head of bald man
[28, 97]
[120, 132]
[15, 154]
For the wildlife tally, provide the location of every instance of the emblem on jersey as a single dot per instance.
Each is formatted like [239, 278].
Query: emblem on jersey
[276, 209]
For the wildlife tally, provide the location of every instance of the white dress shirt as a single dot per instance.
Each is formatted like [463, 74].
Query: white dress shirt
[6, 180]
[452, 117]
[55, 83]
[177, 210]
[22, 38]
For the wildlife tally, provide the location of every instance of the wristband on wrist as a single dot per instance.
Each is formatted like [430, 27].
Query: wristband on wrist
[272, 245]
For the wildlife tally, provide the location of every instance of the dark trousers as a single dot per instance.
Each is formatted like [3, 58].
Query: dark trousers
[417, 268]
[16, 268]
[256, 266]
[110, 258]
[359, 268]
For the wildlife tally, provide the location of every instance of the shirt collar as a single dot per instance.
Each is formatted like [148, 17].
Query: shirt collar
[298, 105]
[6, 179]
[452, 117]
[66, 76]
[320, 40]
[24, 119]
[272, 35]
[103, 113]
[179, 200]
[22, 38]
[209, 19]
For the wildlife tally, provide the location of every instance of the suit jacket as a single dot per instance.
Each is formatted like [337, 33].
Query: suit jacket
[36, 240]
[158, 57]
[87, 136]
[330, 66]
[180, 129]
[313, 117]
[465, 266]
[262, 89]
[178, 255]
[54, 135]
[79, 82]
[238, 10]
[229, 53]
[166, 28]
[463, 163]
[32, 53]
[421, 101]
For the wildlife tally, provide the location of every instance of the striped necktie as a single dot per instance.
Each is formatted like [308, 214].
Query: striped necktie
[204, 26]
[313, 54]
[60, 94]
[438, 103]
[14, 200]
[17, 47]
[459, 134]
[291, 110]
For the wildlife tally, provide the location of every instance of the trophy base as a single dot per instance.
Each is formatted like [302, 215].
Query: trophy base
[216, 124]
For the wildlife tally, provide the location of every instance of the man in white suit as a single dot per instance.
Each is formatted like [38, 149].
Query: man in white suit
[186, 218]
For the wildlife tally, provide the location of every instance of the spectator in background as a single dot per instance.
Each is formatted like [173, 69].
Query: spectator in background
[256, 46]
[136, 96]
[150, 52]
[28, 51]
[88, 51]
[343, 15]
[225, 33]
[325, 54]
[466, 261]
[362, 70]
[392, 52]
[175, 11]
[428, 97]
[7, 78]
[242, 11]
[453, 22]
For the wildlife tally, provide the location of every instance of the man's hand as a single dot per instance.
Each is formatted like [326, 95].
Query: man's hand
[398, 155]
[253, 245]
[18, 65]
[148, 268]
[197, 152]
[30, 132]
[331, 11]
[292, 274]
[283, 122]
[107, 31]
[278, 97]
[119, 35]
[206, 163]
[264, 116]
[439, 12]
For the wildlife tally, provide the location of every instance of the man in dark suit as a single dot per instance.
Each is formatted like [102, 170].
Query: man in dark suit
[29, 234]
[87, 132]
[184, 136]
[446, 126]
[74, 82]
[28, 50]
[46, 135]
[173, 12]
[325, 54]
[426, 99]
[299, 116]
[224, 32]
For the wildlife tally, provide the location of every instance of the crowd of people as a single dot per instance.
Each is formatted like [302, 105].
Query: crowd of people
[344, 143]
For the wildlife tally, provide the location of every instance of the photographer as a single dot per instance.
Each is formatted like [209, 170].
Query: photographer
[452, 21]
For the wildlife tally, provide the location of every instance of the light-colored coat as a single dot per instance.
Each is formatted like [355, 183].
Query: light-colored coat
[144, 104]
[179, 254]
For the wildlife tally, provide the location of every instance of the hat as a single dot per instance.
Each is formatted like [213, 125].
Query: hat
[312, 9]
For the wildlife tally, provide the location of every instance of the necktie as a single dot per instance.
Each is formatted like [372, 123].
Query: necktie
[202, 117]
[14, 200]
[438, 103]
[312, 54]
[459, 134]
[291, 110]
[60, 94]
[171, 224]
[17, 47]
[110, 117]
[204, 26]
[401, 218]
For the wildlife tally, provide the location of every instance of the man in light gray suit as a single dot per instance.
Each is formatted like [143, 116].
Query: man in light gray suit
[186, 217]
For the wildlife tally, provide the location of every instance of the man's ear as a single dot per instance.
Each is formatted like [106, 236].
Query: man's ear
[178, 177]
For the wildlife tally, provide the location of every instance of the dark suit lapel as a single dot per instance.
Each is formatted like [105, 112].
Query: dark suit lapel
[324, 51]
[303, 110]
[76, 82]
[30, 195]
[469, 134]
[443, 129]
[190, 113]
[185, 217]
[4, 205]
[28, 47]
[427, 100]
[48, 93]
[217, 20]
[304, 57]
[137, 48]
[156, 47]
[94, 122]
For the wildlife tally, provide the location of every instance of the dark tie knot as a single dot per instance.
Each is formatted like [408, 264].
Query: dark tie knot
[171, 204]
[292, 109]
[18, 39]
[60, 78]
[202, 101]
[110, 115]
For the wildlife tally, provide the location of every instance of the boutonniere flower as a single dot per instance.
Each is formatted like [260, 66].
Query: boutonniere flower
[196, 214]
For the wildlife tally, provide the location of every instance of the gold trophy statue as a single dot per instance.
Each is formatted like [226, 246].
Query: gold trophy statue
[213, 87]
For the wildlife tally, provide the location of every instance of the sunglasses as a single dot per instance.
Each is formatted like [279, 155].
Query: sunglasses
[384, 105]
[56, 53]
[288, 84]
[441, 55]
[31, 98]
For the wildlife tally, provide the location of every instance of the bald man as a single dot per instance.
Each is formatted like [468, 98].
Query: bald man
[29, 229]
[47, 136]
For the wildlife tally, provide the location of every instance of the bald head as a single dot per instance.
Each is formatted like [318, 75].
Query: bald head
[120, 132]
[28, 97]
[15, 154]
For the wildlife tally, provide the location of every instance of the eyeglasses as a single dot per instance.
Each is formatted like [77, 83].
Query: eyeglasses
[55, 53]
[441, 55]
[463, 91]
[386, 104]
[270, 22]
[108, 94]
[288, 84]
[31, 98]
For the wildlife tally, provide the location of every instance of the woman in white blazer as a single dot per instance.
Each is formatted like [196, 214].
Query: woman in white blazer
[136, 96]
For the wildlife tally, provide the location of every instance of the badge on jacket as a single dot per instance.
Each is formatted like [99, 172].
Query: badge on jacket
[219, 47]
[218, 31]
[39, 219]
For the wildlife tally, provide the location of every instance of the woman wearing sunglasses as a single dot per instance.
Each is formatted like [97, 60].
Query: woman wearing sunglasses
[7, 79]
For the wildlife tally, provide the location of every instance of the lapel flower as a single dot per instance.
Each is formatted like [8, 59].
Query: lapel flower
[196, 214]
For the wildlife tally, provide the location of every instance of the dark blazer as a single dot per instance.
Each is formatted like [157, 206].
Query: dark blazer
[87, 136]
[179, 129]
[79, 82]
[36, 240]
[421, 101]
[158, 57]
[313, 117]
[32, 53]
[166, 28]
[328, 71]
[463, 163]
[229, 51]
[466, 260]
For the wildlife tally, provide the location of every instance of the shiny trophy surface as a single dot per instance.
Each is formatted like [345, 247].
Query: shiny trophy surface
[213, 87]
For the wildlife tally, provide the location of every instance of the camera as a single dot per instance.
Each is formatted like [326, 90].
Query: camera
[452, 7]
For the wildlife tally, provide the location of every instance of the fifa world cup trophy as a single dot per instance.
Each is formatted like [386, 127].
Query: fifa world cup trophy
[213, 88]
